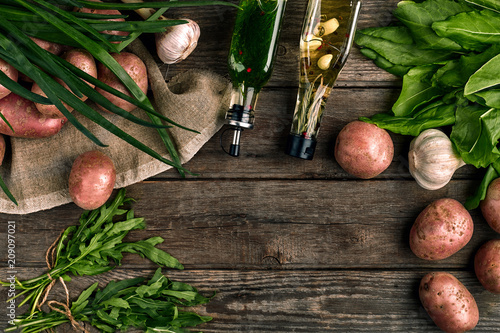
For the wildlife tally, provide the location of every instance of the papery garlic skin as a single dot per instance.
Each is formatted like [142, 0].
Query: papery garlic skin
[432, 159]
[177, 42]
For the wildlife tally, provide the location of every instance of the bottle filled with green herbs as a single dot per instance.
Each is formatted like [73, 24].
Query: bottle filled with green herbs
[326, 38]
[251, 60]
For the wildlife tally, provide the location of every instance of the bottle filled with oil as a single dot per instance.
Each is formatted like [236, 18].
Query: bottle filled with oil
[251, 60]
[326, 39]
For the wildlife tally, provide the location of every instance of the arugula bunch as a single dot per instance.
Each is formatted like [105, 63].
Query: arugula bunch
[152, 306]
[448, 54]
[94, 247]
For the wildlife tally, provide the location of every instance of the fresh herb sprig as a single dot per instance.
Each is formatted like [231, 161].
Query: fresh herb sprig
[95, 246]
[151, 306]
[448, 54]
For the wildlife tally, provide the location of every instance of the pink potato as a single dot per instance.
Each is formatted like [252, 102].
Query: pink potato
[91, 180]
[81, 59]
[11, 72]
[134, 66]
[25, 119]
[364, 150]
[487, 265]
[105, 12]
[3, 148]
[441, 229]
[448, 302]
[52, 47]
[490, 206]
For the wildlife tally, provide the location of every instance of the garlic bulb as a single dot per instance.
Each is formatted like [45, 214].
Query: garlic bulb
[177, 42]
[432, 159]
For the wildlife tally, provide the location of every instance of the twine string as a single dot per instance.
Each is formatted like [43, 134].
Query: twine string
[50, 259]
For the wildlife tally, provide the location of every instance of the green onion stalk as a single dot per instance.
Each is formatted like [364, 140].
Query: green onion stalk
[48, 20]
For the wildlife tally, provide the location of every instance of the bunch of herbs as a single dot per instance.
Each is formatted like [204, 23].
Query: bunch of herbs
[151, 306]
[94, 247]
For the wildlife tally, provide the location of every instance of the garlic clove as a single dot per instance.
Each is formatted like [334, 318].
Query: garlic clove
[310, 43]
[432, 159]
[177, 42]
[325, 61]
[326, 28]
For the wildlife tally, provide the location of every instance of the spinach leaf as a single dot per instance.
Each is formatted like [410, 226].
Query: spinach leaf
[489, 4]
[484, 78]
[398, 53]
[436, 114]
[419, 17]
[475, 30]
[456, 73]
[385, 64]
[417, 89]
[489, 98]
[476, 134]
[491, 174]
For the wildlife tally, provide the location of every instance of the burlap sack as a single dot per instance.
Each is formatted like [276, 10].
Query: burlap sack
[36, 170]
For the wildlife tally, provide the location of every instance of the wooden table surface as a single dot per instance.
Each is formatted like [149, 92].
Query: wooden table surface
[289, 245]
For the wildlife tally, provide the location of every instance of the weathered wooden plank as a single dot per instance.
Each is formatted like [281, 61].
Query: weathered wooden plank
[309, 300]
[233, 224]
[216, 25]
[263, 148]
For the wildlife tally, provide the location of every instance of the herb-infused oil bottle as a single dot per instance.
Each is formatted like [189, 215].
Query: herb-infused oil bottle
[251, 59]
[326, 38]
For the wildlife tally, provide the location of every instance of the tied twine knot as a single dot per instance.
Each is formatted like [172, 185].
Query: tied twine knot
[50, 259]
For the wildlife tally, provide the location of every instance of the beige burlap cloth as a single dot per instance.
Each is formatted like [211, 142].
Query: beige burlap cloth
[36, 170]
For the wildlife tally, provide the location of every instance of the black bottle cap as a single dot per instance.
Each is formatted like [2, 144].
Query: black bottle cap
[300, 147]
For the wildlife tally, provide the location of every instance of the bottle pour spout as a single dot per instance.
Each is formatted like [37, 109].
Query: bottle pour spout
[234, 148]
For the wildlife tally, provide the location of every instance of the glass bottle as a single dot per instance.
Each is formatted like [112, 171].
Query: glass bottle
[251, 59]
[326, 39]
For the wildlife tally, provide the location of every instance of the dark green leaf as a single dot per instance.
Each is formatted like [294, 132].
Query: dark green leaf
[474, 201]
[417, 90]
[383, 63]
[490, 4]
[114, 287]
[154, 254]
[435, 115]
[484, 78]
[401, 54]
[419, 17]
[473, 30]
[476, 133]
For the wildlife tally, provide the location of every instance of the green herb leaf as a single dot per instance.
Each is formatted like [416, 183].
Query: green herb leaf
[436, 114]
[486, 77]
[419, 17]
[490, 4]
[400, 54]
[417, 89]
[476, 134]
[473, 30]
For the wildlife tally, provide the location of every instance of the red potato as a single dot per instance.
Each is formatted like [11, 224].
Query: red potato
[448, 302]
[487, 265]
[134, 66]
[441, 229]
[490, 206]
[25, 119]
[364, 150]
[52, 47]
[105, 12]
[3, 148]
[81, 59]
[11, 72]
[91, 180]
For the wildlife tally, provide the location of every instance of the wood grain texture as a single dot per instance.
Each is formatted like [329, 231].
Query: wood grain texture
[288, 245]
[309, 300]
